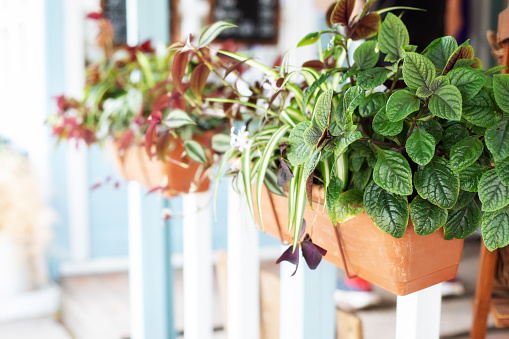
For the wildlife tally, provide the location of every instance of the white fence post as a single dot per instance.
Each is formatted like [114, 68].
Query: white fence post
[198, 256]
[243, 304]
[418, 314]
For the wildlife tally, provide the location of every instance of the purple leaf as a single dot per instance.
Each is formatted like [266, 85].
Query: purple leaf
[312, 253]
[283, 147]
[291, 257]
[284, 174]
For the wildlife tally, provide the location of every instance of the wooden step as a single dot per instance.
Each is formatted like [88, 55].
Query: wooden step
[500, 311]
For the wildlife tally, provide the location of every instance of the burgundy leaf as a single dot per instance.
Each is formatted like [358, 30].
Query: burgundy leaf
[309, 188]
[178, 69]
[284, 174]
[94, 15]
[236, 65]
[126, 140]
[162, 145]
[199, 79]
[463, 52]
[149, 139]
[366, 27]
[342, 12]
[95, 186]
[282, 148]
[146, 47]
[317, 65]
[155, 189]
[312, 254]
[291, 257]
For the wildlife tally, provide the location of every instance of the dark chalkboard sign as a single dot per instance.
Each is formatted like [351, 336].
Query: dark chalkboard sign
[257, 20]
[115, 11]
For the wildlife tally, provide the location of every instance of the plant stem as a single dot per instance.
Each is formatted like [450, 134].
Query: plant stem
[394, 81]
[421, 112]
[214, 70]
[345, 46]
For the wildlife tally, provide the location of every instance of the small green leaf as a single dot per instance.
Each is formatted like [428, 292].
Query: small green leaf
[310, 164]
[372, 78]
[501, 90]
[453, 134]
[343, 142]
[469, 81]
[309, 39]
[426, 217]
[440, 50]
[502, 167]
[464, 198]
[211, 32]
[495, 228]
[480, 110]
[348, 205]
[465, 152]
[433, 128]
[393, 35]
[437, 182]
[423, 92]
[322, 112]
[439, 82]
[311, 89]
[366, 55]
[333, 191]
[401, 104]
[312, 136]
[464, 51]
[420, 147]
[392, 172]
[382, 125]
[470, 176]
[371, 104]
[361, 178]
[352, 98]
[446, 103]
[299, 150]
[221, 143]
[462, 222]
[463, 63]
[195, 151]
[178, 118]
[418, 70]
[388, 211]
[492, 192]
[497, 139]
[495, 69]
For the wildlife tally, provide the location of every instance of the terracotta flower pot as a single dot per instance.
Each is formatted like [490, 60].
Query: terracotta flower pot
[134, 164]
[400, 266]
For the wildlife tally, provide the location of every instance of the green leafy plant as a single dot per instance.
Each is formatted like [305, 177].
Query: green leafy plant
[421, 137]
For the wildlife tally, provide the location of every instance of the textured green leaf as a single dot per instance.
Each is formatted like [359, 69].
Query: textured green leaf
[361, 178]
[440, 50]
[417, 70]
[392, 173]
[480, 110]
[401, 104]
[453, 134]
[433, 128]
[502, 168]
[495, 228]
[310, 164]
[426, 217]
[388, 211]
[464, 198]
[382, 125]
[423, 92]
[312, 136]
[195, 151]
[439, 82]
[372, 78]
[469, 81]
[420, 147]
[446, 103]
[463, 63]
[392, 36]
[495, 69]
[352, 98]
[366, 55]
[308, 92]
[333, 191]
[497, 139]
[178, 118]
[309, 39]
[343, 142]
[492, 192]
[501, 90]
[470, 176]
[322, 112]
[465, 152]
[371, 104]
[348, 205]
[299, 150]
[437, 182]
[462, 222]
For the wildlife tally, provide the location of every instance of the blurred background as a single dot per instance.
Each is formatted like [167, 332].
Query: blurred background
[64, 225]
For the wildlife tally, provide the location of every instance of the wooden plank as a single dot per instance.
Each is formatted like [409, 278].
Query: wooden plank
[418, 314]
[348, 326]
[500, 311]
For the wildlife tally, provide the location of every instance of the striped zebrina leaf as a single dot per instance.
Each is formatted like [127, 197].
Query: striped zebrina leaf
[492, 192]
[462, 222]
[465, 152]
[495, 228]
[437, 182]
[265, 159]
[392, 173]
[426, 217]
[388, 211]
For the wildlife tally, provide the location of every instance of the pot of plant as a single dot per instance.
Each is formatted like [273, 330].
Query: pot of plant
[408, 150]
[149, 106]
